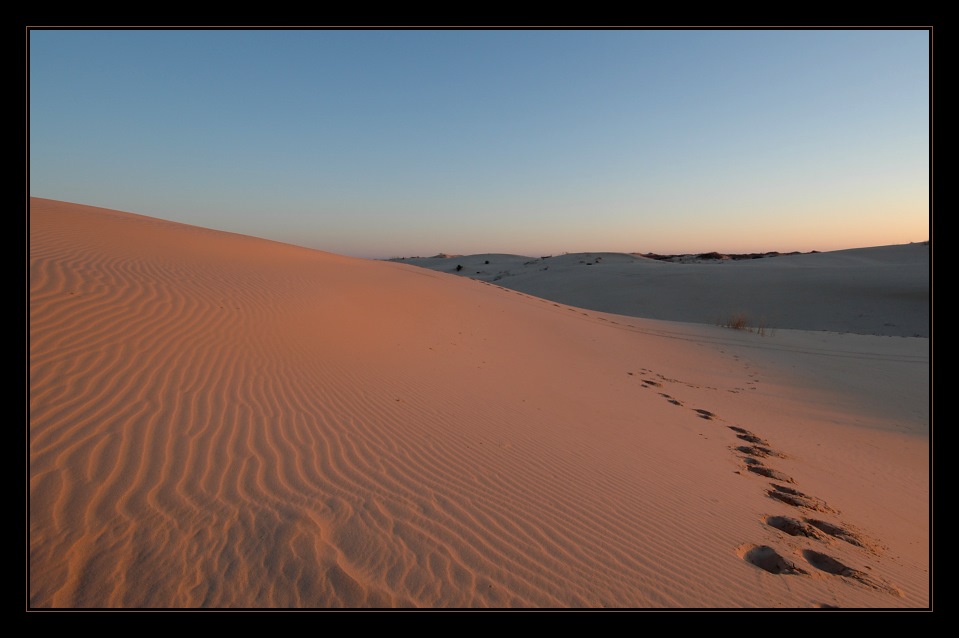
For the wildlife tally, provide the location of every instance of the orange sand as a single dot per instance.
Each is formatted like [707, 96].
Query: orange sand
[222, 421]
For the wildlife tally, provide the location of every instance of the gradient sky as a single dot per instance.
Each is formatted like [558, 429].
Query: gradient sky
[376, 143]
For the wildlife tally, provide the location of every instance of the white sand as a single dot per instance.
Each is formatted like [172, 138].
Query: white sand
[877, 291]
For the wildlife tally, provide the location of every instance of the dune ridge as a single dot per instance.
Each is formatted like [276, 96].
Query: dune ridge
[881, 290]
[220, 421]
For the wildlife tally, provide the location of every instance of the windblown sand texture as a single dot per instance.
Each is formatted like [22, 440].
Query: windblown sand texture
[220, 421]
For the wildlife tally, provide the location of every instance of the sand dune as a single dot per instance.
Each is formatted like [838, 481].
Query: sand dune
[876, 291]
[220, 421]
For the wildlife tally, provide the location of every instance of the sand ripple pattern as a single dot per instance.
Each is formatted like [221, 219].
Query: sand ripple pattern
[198, 438]
[223, 422]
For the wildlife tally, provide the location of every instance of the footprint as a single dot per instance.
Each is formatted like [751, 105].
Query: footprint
[770, 473]
[758, 450]
[793, 527]
[842, 534]
[653, 383]
[705, 414]
[827, 564]
[752, 438]
[670, 399]
[830, 565]
[767, 558]
[746, 435]
[797, 499]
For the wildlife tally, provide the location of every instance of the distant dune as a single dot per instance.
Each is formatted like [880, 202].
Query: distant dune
[221, 421]
[875, 291]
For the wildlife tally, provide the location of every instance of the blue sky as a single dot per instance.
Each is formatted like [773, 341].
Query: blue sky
[381, 143]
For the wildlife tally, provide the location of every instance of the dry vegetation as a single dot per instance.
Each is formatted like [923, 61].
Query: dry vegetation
[739, 321]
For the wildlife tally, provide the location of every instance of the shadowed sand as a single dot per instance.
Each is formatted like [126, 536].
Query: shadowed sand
[882, 290]
[222, 421]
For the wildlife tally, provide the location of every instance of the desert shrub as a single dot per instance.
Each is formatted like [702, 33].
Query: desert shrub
[737, 321]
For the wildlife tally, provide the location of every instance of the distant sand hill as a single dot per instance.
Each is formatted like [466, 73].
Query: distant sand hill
[875, 291]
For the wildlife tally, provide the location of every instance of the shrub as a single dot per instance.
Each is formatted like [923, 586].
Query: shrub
[737, 322]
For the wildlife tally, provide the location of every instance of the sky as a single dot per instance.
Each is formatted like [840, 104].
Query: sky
[399, 143]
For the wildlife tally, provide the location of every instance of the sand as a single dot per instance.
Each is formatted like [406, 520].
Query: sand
[222, 421]
[883, 290]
